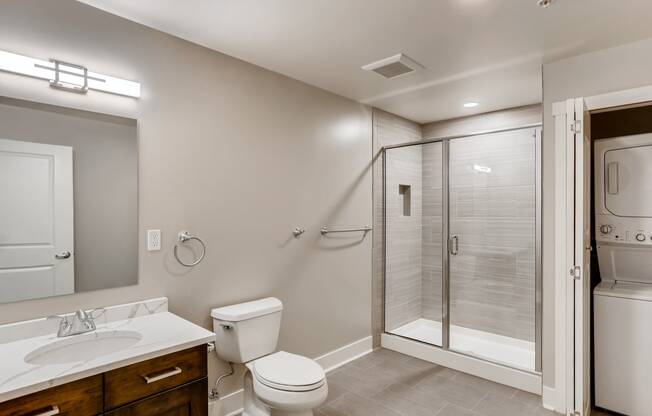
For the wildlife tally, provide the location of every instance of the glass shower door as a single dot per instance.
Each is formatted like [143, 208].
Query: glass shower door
[413, 241]
[492, 211]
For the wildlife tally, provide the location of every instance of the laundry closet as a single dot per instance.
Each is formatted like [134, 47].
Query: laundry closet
[621, 259]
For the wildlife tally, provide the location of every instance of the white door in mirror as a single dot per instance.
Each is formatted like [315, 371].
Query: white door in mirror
[36, 220]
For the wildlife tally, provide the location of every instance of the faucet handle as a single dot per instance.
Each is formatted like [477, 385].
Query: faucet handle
[61, 318]
[64, 324]
[85, 318]
[92, 312]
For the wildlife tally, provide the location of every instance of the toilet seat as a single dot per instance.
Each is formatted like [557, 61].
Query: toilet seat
[288, 372]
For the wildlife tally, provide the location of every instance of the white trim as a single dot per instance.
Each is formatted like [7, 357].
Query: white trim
[500, 374]
[231, 404]
[552, 400]
[337, 358]
[619, 98]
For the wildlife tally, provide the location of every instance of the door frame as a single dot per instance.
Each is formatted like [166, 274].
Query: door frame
[561, 398]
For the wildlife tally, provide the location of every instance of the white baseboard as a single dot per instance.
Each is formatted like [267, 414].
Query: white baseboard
[337, 358]
[500, 374]
[552, 401]
[231, 404]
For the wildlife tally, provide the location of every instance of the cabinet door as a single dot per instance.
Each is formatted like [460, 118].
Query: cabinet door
[187, 400]
[78, 398]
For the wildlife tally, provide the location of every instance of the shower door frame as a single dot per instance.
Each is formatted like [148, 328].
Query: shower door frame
[446, 238]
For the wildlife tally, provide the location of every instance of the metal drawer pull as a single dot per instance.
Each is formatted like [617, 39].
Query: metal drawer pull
[54, 410]
[153, 379]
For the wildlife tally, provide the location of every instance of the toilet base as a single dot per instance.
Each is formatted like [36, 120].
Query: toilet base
[253, 406]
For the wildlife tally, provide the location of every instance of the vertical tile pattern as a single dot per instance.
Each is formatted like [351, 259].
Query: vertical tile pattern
[403, 237]
[431, 243]
[388, 129]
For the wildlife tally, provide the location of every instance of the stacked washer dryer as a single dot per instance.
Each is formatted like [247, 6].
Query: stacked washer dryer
[623, 298]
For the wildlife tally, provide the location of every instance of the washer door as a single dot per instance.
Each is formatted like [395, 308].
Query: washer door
[627, 184]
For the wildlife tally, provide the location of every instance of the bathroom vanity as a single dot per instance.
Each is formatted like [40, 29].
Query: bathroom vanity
[141, 360]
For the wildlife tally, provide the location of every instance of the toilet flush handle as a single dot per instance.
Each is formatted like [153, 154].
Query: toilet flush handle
[227, 327]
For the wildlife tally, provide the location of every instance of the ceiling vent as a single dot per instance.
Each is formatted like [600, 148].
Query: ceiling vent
[394, 66]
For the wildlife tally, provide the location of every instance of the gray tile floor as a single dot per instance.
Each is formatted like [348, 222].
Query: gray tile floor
[386, 383]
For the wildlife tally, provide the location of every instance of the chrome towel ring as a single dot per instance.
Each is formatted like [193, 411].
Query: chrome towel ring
[185, 236]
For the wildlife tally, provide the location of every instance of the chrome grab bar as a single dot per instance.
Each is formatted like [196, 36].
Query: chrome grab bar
[325, 230]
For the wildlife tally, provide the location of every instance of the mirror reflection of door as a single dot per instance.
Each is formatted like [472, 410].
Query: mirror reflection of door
[36, 220]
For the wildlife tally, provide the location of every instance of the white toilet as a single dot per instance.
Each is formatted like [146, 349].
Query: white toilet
[276, 383]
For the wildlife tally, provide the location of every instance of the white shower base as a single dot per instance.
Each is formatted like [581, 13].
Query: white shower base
[497, 348]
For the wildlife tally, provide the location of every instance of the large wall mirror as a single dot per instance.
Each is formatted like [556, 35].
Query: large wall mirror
[68, 201]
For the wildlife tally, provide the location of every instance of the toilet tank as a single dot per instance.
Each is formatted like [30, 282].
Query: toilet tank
[246, 331]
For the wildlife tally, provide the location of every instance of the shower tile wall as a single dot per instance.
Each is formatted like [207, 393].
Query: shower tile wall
[493, 277]
[403, 237]
[431, 242]
[498, 298]
[388, 129]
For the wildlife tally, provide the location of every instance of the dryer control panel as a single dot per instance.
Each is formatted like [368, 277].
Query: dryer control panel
[610, 228]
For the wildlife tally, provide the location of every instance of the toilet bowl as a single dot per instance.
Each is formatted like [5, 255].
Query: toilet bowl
[275, 383]
[284, 384]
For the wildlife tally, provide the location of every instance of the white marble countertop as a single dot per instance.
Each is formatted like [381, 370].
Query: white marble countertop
[162, 333]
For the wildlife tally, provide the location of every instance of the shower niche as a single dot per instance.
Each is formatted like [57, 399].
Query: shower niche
[462, 269]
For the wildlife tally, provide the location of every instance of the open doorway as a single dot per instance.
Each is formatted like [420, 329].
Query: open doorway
[607, 222]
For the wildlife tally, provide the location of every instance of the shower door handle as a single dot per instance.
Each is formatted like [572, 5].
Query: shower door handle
[454, 245]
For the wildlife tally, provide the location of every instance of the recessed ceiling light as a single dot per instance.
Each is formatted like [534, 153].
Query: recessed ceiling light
[471, 105]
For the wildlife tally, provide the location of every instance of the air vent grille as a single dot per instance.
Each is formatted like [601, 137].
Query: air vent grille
[394, 66]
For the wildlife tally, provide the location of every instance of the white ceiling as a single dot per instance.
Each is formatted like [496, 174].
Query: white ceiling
[489, 51]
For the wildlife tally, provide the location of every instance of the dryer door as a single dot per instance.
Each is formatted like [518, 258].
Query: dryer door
[628, 188]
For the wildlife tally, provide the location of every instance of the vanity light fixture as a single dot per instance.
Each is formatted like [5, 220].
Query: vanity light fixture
[471, 105]
[67, 76]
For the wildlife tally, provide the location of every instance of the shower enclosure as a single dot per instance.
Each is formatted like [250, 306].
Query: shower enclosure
[462, 260]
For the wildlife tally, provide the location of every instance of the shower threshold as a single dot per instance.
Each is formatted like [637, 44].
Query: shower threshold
[500, 349]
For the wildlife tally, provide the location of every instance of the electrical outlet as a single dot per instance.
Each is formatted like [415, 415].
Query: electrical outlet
[153, 240]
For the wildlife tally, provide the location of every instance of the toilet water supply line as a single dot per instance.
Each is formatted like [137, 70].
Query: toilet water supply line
[214, 394]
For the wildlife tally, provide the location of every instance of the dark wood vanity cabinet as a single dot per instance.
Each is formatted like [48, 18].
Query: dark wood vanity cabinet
[170, 385]
[187, 400]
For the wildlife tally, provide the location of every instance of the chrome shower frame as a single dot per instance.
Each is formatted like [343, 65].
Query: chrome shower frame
[446, 227]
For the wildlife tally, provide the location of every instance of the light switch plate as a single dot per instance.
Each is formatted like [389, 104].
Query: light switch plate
[153, 240]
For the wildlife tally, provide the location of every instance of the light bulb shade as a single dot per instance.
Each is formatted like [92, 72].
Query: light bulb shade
[69, 76]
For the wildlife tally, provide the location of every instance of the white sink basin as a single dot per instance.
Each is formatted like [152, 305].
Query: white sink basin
[79, 348]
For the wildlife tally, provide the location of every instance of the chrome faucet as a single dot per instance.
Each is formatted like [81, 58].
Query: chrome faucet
[79, 323]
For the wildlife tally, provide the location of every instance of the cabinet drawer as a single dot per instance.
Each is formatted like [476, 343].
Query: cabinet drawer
[187, 400]
[134, 382]
[79, 398]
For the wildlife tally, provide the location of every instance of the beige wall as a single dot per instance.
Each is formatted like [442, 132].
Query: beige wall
[608, 70]
[234, 153]
[105, 180]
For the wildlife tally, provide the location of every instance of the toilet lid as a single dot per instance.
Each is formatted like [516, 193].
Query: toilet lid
[285, 371]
